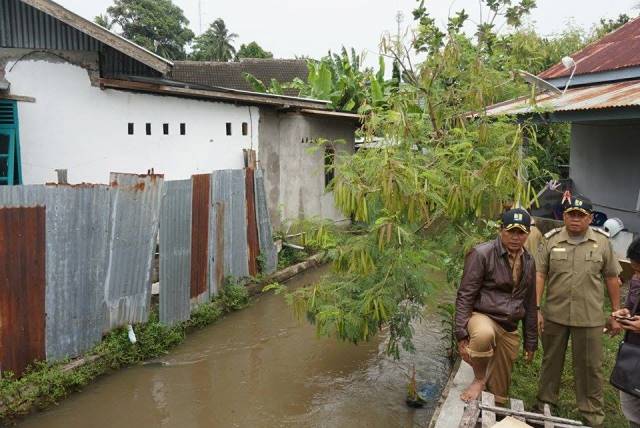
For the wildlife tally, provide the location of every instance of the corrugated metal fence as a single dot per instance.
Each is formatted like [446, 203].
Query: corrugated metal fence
[76, 261]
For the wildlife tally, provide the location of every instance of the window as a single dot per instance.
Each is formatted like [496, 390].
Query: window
[130, 128]
[165, 128]
[183, 129]
[245, 128]
[148, 129]
[228, 128]
[10, 165]
[329, 167]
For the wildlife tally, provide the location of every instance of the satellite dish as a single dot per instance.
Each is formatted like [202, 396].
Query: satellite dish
[541, 84]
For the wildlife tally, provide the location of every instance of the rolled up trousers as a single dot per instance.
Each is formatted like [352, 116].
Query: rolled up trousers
[487, 339]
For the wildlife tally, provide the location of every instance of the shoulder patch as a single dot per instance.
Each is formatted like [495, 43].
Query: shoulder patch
[597, 229]
[552, 232]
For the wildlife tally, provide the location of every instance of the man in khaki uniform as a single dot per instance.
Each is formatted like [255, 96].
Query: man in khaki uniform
[534, 240]
[574, 261]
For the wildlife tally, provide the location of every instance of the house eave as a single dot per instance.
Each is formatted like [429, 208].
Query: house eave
[103, 35]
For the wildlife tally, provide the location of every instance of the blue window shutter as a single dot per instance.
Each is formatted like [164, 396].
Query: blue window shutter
[10, 127]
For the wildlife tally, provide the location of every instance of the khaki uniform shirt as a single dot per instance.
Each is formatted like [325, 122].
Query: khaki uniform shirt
[534, 240]
[575, 274]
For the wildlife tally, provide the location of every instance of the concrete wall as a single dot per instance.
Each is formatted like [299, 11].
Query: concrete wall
[605, 167]
[294, 170]
[79, 127]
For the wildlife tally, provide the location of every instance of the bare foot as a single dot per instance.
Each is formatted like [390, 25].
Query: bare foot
[473, 391]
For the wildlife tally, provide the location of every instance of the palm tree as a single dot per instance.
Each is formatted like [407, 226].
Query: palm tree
[215, 44]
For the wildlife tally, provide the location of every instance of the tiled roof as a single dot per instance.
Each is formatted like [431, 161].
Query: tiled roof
[231, 74]
[617, 50]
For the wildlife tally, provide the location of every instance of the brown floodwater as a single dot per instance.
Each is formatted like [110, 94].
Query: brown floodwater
[260, 367]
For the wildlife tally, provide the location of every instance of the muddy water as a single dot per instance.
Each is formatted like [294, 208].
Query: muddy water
[259, 368]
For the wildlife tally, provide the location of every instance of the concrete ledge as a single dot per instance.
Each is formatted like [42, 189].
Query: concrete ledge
[450, 412]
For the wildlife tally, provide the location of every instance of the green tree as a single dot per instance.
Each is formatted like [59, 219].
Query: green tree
[252, 50]
[215, 44]
[438, 163]
[158, 25]
[104, 21]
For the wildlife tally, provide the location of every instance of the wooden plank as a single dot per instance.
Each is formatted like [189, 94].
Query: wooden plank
[22, 287]
[488, 417]
[547, 412]
[470, 415]
[532, 416]
[21, 98]
[517, 405]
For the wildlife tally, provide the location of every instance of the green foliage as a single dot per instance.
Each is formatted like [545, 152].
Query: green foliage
[157, 25]
[234, 296]
[606, 26]
[215, 44]
[437, 164]
[252, 50]
[525, 380]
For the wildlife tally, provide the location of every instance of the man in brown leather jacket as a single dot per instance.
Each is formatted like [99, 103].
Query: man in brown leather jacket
[496, 292]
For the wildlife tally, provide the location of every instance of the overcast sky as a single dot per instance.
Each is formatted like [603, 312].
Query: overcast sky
[312, 27]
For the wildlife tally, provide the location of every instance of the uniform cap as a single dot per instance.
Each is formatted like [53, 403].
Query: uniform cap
[578, 204]
[516, 218]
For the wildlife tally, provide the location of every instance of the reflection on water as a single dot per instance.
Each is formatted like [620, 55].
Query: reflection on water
[259, 368]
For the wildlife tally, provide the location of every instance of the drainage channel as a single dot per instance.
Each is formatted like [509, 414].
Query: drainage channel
[260, 367]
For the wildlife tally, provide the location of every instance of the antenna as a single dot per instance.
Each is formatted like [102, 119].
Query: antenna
[539, 83]
[200, 15]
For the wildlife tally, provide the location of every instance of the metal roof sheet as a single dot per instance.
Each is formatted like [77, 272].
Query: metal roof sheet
[610, 95]
[618, 49]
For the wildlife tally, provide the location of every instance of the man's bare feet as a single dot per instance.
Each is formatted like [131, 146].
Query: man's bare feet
[473, 391]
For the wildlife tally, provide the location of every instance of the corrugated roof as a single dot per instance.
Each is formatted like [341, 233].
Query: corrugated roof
[619, 49]
[610, 95]
[231, 74]
[105, 36]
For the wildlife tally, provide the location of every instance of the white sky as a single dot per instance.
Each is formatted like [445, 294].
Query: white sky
[312, 27]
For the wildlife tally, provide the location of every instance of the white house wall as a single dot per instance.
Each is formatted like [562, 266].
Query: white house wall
[81, 128]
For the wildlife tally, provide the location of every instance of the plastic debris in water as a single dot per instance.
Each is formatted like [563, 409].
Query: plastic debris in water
[427, 392]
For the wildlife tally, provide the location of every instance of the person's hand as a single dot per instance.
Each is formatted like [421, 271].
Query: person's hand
[529, 355]
[631, 325]
[621, 313]
[540, 323]
[614, 327]
[463, 351]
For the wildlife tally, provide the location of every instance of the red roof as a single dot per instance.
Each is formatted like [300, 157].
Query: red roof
[618, 49]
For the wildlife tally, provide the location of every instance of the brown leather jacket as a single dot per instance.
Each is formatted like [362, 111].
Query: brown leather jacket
[487, 287]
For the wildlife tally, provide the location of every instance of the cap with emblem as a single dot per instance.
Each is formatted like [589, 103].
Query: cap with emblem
[578, 204]
[516, 218]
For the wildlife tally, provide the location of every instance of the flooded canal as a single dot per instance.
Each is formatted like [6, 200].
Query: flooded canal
[259, 367]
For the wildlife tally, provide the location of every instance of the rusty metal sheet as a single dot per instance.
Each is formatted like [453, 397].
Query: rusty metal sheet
[228, 187]
[77, 242]
[200, 207]
[175, 252]
[617, 50]
[22, 291]
[252, 227]
[216, 247]
[265, 232]
[133, 236]
[611, 95]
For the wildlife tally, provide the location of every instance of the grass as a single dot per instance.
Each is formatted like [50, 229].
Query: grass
[525, 386]
[44, 384]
